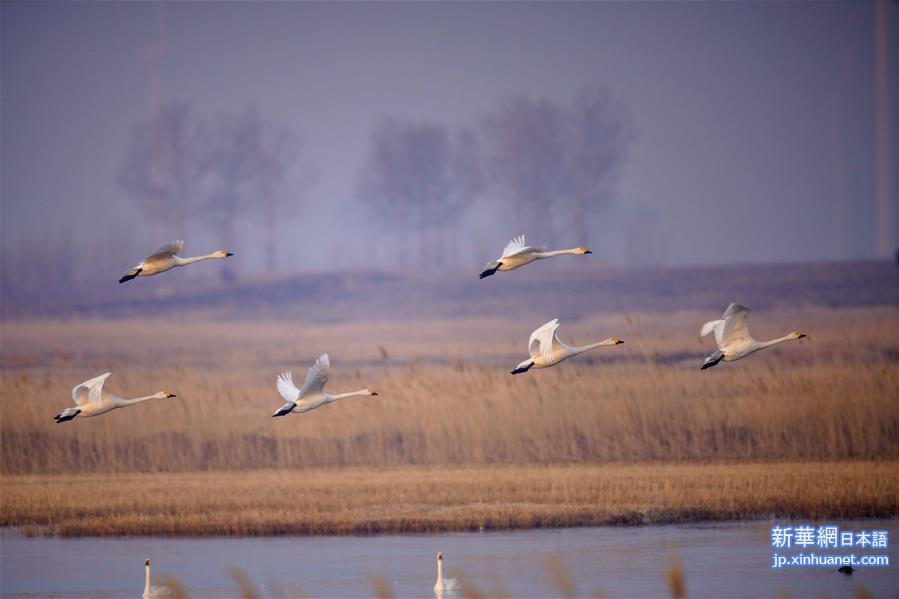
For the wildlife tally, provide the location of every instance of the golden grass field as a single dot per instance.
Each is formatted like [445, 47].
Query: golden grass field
[415, 499]
[547, 448]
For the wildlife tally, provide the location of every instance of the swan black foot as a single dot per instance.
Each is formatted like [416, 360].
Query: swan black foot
[712, 360]
[131, 274]
[486, 273]
[66, 416]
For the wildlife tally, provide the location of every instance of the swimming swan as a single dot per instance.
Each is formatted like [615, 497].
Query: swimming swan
[167, 258]
[91, 400]
[547, 350]
[733, 338]
[444, 584]
[153, 592]
[313, 394]
[516, 254]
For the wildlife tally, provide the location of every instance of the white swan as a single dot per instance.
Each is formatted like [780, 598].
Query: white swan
[154, 592]
[733, 338]
[91, 400]
[313, 394]
[517, 254]
[547, 350]
[167, 258]
[444, 584]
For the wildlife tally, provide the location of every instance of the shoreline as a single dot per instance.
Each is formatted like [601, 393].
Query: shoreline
[437, 500]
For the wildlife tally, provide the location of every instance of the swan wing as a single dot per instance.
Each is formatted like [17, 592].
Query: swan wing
[517, 246]
[167, 251]
[541, 341]
[736, 327]
[286, 388]
[90, 392]
[713, 325]
[317, 376]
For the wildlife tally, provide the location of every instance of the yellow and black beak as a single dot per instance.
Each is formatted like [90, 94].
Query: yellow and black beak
[167, 394]
[618, 341]
[802, 336]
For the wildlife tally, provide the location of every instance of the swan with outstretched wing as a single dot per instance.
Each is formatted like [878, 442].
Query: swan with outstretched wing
[732, 336]
[313, 394]
[517, 254]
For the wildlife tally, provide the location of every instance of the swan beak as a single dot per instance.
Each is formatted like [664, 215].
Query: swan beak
[228, 254]
[167, 394]
[373, 392]
[802, 335]
[618, 341]
[586, 251]
[147, 563]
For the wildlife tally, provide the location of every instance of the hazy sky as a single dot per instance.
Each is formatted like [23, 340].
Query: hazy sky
[750, 119]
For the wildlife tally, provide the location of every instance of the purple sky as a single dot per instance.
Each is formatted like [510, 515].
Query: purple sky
[742, 112]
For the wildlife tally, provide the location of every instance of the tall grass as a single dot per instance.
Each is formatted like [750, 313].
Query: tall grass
[413, 499]
[445, 395]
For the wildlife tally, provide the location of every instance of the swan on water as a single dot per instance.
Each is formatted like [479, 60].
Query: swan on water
[154, 592]
[547, 350]
[313, 394]
[91, 400]
[733, 338]
[517, 254]
[167, 258]
[444, 584]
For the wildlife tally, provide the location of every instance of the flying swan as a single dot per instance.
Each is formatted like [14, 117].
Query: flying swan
[733, 338]
[91, 400]
[167, 258]
[313, 394]
[444, 584]
[516, 254]
[547, 350]
[154, 592]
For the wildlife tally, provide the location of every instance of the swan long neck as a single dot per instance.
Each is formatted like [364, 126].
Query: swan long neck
[579, 349]
[183, 261]
[577, 251]
[147, 585]
[440, 572]
[337, 396]
[764, 344]
[128, 402]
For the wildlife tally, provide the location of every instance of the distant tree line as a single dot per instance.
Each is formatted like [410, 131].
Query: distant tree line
[545, 168]
[552, 168]
[181, 165]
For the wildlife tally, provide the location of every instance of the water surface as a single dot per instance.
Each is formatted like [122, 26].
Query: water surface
[718, 560]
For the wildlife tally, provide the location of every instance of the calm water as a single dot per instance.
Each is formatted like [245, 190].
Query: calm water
[718, 560]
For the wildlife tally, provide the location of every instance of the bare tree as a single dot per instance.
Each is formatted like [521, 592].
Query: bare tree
[250, 160]
[165, 165]
[418, 177]
[598, 134]
[540, 156]
[525, 160]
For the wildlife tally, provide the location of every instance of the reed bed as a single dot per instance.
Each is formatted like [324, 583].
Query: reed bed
[445, 395]
[410, 499]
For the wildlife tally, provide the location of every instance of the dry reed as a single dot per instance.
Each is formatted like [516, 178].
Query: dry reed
[446, 397]
[410, 499]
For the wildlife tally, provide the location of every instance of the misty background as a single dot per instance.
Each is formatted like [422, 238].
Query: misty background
[309, 137]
